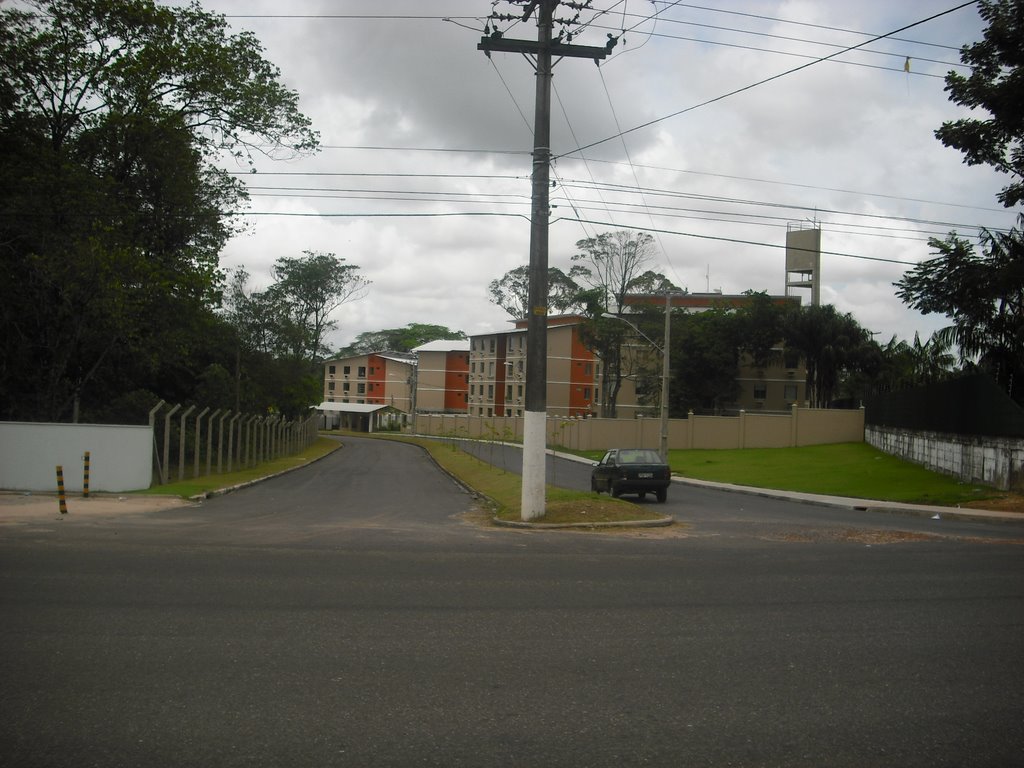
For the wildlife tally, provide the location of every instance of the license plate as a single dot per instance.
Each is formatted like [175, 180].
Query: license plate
[644, 475]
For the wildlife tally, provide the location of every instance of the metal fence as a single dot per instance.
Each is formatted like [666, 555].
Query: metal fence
[970, 405]
[190, 444]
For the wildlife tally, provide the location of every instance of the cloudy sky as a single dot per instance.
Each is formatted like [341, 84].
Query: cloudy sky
[696, 129]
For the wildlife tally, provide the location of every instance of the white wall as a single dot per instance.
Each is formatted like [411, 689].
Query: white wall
[995, 461]
[120, 456]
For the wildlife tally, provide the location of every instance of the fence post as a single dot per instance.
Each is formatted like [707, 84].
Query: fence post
[231, 438]
[152, 427]
[220, 441]
[793, 432]
[209, 442]
[743, 428]
[181, 442]
[167, 443]
[198, 443]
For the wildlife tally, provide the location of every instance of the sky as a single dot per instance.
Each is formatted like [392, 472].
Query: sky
[713, 129]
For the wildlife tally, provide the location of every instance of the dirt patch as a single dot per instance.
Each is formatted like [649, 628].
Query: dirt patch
[1011, 502]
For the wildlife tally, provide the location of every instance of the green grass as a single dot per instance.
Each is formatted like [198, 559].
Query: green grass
[201, 485]
[844, 469]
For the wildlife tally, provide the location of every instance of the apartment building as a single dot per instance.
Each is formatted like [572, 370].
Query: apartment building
[379, 378]
[497, 371]
[442, 377]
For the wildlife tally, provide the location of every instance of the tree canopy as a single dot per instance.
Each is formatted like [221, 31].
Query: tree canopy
[113, 114]
[996, 86]
[511, 292]
[982, 291]
[403, 339]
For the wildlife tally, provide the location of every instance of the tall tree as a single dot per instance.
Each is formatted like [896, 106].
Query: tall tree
[309, 289]
[612, 265]
[832, 345]
[511, 292]
[982, 293]
[112, 113]
[996, 86]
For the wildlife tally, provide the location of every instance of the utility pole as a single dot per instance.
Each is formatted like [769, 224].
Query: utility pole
[535, 422]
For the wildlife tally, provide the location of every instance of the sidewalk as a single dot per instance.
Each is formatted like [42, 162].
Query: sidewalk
[19, 507]
[867, 505]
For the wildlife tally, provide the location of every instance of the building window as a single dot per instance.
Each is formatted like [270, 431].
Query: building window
[362, 371]
[330, 369]
[586, 393]
[790, 393]
[360, 389]
[347, 370]
[345, 387]
[490, 393]
[492, 349]
[490, 370]
[330, 386]
[371, 370]
[508, 393]
[760, 390]
[519, 391]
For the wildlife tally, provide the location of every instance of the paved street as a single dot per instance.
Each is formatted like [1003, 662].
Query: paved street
[360, 612]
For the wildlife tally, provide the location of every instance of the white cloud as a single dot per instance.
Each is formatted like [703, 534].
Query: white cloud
[848, 144]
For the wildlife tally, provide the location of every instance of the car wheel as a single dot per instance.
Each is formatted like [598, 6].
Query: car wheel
[662, 494]
[641, 496]
[615, 491]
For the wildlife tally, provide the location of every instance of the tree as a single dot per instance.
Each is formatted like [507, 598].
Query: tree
[995, 85]
[511, 292]
[832, 345]
[983, 294]
[613, 265]
[308, 290]
[705, 355]
[112, 113]
[403, 339]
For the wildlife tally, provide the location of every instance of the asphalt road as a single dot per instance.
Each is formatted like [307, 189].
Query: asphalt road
[360, 613]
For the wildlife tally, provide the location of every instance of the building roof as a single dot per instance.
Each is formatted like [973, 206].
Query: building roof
[351, 407]
[444, 345]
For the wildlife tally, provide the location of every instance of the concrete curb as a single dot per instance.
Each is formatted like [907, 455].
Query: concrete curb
[659, 523]
[231, 488]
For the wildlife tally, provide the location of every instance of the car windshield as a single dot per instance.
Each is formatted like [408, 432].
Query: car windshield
[639, 456]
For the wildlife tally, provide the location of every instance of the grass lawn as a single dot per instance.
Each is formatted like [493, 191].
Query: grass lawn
[844, 469]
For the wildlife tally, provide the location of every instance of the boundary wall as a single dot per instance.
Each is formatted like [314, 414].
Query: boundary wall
[802, 426]
[120, 456]
[995, 461]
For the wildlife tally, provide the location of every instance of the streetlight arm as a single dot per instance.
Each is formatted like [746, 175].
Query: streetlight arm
[650, 341]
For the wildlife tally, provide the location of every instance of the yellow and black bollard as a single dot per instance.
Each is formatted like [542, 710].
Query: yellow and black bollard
[85, 477]
[60, 490]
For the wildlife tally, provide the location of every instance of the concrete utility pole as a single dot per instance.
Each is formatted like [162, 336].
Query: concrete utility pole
[534, 425]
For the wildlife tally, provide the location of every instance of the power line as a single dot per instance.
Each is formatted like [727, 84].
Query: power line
[766, 80]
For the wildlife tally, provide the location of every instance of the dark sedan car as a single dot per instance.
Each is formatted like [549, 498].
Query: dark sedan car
[631, 470]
